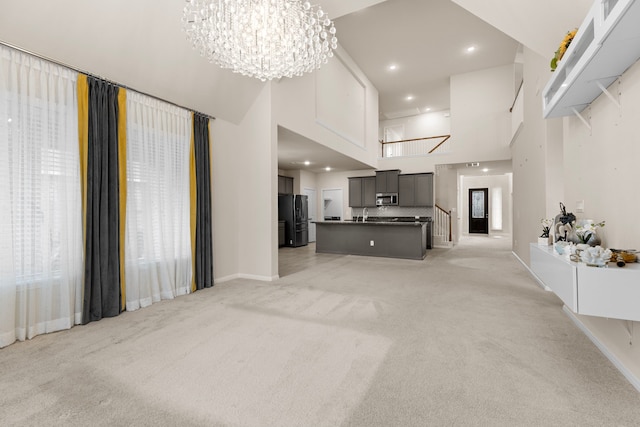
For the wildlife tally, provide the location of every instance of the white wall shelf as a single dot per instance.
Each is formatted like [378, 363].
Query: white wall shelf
[605, 46]
[612, 292]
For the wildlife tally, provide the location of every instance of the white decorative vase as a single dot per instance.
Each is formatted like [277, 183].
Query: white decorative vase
[544, 241]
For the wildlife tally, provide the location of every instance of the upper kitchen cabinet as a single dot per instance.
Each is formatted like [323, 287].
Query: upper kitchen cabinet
[362, 192]
[415, 190]
[424, 189]
[369, 191]
[285, 185]
[387, 181]
[606, 44]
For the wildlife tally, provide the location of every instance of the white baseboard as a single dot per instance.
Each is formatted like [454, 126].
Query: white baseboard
[540, 283]
[635, 381]
[226, 278]
[443, 245]
[260, 278]
[246, 276]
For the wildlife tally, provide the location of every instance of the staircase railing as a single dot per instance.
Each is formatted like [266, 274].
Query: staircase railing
[415, 146]
[442, 225]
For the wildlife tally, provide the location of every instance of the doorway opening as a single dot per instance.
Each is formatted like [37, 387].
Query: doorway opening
[332, 204]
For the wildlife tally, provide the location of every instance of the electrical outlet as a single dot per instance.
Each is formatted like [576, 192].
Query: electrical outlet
[371, 243]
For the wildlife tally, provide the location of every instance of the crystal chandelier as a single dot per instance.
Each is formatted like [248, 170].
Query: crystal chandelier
[266, 39]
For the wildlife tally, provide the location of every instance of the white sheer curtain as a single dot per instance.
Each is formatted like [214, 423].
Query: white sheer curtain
[41, 256]
[158, 243]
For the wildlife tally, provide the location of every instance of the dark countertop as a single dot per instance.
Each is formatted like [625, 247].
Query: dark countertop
[381, 220]
[379, 223]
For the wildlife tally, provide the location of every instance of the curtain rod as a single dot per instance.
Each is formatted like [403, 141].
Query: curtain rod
[62, 64]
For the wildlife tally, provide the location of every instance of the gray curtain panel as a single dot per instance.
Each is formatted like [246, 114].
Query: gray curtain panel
[204, 244]
[102, 260]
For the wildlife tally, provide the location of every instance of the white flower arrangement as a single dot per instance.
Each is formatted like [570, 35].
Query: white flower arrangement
[546, 226]
[586, 231]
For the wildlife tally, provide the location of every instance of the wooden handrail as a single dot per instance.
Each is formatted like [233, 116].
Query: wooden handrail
[441, 142]
[416, 139]
[446, 137]
[449, 215]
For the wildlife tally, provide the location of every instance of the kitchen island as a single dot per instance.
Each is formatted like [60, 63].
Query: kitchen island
[393, 239]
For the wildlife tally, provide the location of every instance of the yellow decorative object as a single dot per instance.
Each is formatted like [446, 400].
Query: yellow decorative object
[564, 45]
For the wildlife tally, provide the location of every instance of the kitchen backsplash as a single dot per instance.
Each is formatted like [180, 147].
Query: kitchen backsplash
[393, 211]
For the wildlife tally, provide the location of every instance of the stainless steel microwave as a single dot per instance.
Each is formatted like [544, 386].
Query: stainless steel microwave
[387, 199]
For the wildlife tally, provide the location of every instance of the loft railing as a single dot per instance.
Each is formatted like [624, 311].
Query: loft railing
[416, 146]
[442, 226]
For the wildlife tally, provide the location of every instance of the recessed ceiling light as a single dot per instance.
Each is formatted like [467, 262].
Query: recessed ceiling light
[409, 98]
[307, 162]
[393, 67]
[485, 170]
[427, 109]
[471, 49]
[327, 168]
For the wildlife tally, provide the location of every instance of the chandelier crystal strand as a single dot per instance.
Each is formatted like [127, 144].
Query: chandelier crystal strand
[266, 39]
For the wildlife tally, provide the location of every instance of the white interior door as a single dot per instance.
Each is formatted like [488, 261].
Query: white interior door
[313, 212]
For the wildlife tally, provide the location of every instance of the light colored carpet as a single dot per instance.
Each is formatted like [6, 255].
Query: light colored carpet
[464, 337]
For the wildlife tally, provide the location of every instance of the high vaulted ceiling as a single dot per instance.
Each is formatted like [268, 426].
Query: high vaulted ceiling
[140, 44]
[427, 41]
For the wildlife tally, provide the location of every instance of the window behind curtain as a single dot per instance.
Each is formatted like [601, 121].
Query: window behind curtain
[158, 246]
[40, 221]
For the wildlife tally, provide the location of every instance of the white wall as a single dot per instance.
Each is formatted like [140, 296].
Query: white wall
[480, 122]
[225, 193]
[601, 168]
[334, 180]
[297, 107]
[446, 194]
[256, 181]
[420, 126]
[490, 181]
[529, 162]
[156, 59]
[480, 118]
[598, 167]
[301, 179]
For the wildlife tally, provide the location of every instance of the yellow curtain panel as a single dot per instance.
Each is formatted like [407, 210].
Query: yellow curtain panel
[83, 139]
[122, 176]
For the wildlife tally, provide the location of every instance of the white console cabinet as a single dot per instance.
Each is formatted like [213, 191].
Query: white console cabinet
[612, 292]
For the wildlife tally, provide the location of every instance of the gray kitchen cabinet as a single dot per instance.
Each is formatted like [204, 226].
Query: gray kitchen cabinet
[369, 191]
[387, 181]
[362, 192]
[415, 190]
[355, 192]
[406, 190]
[424, 189]
[285, 185]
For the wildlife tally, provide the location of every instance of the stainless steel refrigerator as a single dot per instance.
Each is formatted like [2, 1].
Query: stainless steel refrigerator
[293, 209]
